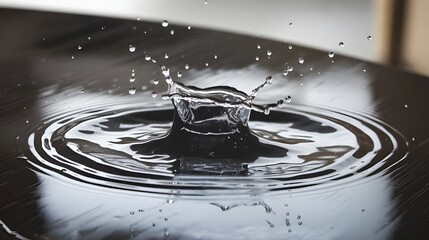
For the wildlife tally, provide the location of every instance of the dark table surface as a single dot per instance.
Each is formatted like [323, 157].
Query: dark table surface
[36, 65]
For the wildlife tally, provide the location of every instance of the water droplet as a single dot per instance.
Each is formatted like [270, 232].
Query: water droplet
[43, 39]
[132, 79]
[132, 90]
[406, 105]
[147, 58]
[132, 48]
[290, 68]
[269, 79]
[17, 137]
[172, 32]
[267, 111]
[189, 27]
[290, 24]
[160, 210]
[26, 121]
[164, 23]
[166, 56]
[179, 74]
[166, 219]
[257, 58]
[301, 60]
[186, 66]
[166, 233]
[369, 37]
[280, 103]
[363, 210]
[290, 47]
[341, 44]
[215, 56]
[299, 223]
[132, 213]
[205, 2]
[79, 47]
[207, 64]
[331, 54]
[413, 139]
[269, 53]
[301, 83]
[72, 57]
[258, 46]
[156, 81]
[364, 70]
[89, 38]
[82, 90]
[138, 19]
[170, 201]
[288, 99]
[154, 94]
[285, 72]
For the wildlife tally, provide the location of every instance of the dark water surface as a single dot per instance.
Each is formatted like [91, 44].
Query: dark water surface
[82, 158]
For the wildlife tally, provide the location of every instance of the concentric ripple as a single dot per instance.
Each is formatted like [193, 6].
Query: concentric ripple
[322, 148]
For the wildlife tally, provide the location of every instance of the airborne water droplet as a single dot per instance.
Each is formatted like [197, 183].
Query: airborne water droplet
[132, 90]
[138, 19]
[179, 74]
[72, 57]
[164, 23]
[288, 99]
[269, 53]
[369, 37]
[215, 56]
[406, 105]
[189, 27]
[82, 90]
[331, 54]
[79, 47]
[290, 47]
[172, 32]
[132, 48]
[170, 201]
[186, 66]
[341, 44]
[301, 60]
[258, 46]
[156, 81]
[154, 94]
[166, 56]
[269, 79]
[147, 58]
[257, 58]
[132, 79]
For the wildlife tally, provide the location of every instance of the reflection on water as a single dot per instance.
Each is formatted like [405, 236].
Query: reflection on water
[109, 191]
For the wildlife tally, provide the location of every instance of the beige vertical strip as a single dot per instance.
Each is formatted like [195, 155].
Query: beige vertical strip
[415, 54]
[383, 29]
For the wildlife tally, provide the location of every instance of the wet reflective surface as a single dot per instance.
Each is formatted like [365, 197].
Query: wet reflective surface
[82, 158]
